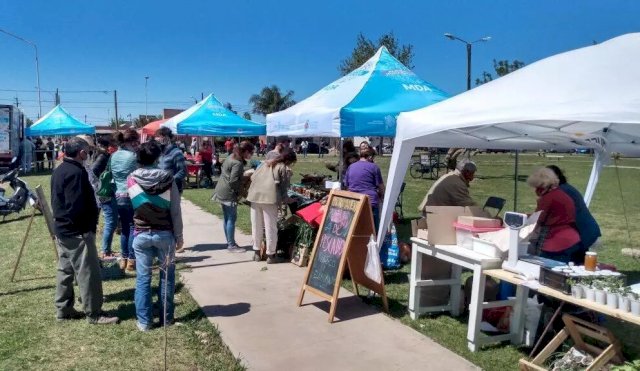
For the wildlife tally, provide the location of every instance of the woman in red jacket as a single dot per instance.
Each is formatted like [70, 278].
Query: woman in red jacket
[558, 238]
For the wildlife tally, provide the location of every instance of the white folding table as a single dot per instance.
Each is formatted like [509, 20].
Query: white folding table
[461, 257]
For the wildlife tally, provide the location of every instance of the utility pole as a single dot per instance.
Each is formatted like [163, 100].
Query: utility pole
[201, 96]
[85, 119]
[35, 47]
[17, 102]
[115, 101]
[146, 97]
[57, 97]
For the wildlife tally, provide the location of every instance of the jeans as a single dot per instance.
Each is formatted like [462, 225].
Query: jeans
[78, 260]
[110, 213]
[125, 212]
[230, 216]
[147, 245]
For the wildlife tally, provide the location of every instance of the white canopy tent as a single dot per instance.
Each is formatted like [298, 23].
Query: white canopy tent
[588, 97]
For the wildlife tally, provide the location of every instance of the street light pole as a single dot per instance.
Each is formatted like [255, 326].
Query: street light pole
[146, 99]
[35, 47]
[469, 44]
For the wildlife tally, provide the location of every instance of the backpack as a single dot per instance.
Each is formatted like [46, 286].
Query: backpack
[106, 185]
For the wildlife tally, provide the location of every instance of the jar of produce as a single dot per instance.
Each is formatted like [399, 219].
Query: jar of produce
[590, 261]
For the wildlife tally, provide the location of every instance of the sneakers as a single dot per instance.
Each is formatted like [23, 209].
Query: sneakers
[103, 319]
[73, 314]
[131, 265]
[123, 263]
[235, 249]
[273, 259]
[143, 328]
[256, 256]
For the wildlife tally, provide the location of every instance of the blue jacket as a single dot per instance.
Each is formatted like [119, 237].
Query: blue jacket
[123, 162]
[586, 224]
[173, 160]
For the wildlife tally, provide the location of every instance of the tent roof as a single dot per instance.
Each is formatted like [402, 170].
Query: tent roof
[210, 117]
[582, 98]
[59, 122]
[364, 102]
[152, 127]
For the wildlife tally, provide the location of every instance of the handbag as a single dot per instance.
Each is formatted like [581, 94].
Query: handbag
[106, 186]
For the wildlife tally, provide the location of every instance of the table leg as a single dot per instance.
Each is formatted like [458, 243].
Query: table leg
[456, 272]
[517, 326]
[475, 308]
[416, 274]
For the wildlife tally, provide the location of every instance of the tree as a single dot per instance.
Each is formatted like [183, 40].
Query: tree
[230, 107]
[366, 48]
[271, 100]
[501, 68]
[112, 122]
[142, 120]
[29, 122]
[247, 116]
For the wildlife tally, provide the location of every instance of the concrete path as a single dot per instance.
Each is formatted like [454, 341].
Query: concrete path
[254, 307]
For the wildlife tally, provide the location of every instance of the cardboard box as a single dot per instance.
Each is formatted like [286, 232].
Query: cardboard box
[440, 220]
[417, 224]
[479, 222]
[434, 269]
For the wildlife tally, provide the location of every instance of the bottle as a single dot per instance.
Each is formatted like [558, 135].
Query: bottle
[590, 261]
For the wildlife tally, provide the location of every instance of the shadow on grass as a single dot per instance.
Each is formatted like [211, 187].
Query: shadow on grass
[35, 278]
[521, 177]
[20, 291]
[22, 217]
[124, 295]
[229, 310]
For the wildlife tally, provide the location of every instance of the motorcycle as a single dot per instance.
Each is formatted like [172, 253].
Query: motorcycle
[21, 193]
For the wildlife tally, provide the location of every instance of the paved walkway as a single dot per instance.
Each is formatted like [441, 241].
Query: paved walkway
[254, 307]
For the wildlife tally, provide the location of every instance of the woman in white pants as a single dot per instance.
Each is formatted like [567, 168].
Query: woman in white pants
[268, 190]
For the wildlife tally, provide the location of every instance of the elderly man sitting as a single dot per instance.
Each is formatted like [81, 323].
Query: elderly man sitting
[452, 189]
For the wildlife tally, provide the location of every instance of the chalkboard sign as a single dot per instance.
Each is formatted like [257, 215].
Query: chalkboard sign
[341, 240]
[331, 243]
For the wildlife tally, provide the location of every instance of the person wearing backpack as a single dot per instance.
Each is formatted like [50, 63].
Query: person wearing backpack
[105, 194]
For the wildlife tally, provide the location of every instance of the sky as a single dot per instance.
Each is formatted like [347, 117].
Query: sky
[88, 49]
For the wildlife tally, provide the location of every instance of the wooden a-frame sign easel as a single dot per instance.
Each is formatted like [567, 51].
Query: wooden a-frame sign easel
[353, 237]
[43, 205]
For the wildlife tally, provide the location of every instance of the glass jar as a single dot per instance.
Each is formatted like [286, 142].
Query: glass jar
[590, 261]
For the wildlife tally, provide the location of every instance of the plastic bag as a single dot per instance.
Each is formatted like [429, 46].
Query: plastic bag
[372, 268]
[390, 251]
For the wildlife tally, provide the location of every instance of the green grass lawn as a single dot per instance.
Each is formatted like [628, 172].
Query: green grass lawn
[495, 177]
[31, 338]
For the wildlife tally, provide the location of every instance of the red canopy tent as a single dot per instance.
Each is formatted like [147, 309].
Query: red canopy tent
[152, 127]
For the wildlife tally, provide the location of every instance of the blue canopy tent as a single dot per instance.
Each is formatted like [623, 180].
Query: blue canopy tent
[209, 117]
[365, 102]
[59, 122]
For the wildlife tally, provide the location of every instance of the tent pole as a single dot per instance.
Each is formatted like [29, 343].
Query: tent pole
[515, 182]
[340, 158]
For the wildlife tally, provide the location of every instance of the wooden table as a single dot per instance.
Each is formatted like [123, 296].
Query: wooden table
[503, 275]
[460, 257]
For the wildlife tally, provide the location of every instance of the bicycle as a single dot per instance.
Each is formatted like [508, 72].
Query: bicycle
[429, 164]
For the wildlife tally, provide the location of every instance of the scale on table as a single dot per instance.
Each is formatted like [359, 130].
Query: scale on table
[515, 263]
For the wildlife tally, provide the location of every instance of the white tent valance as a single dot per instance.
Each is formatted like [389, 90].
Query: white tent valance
[589, 97]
